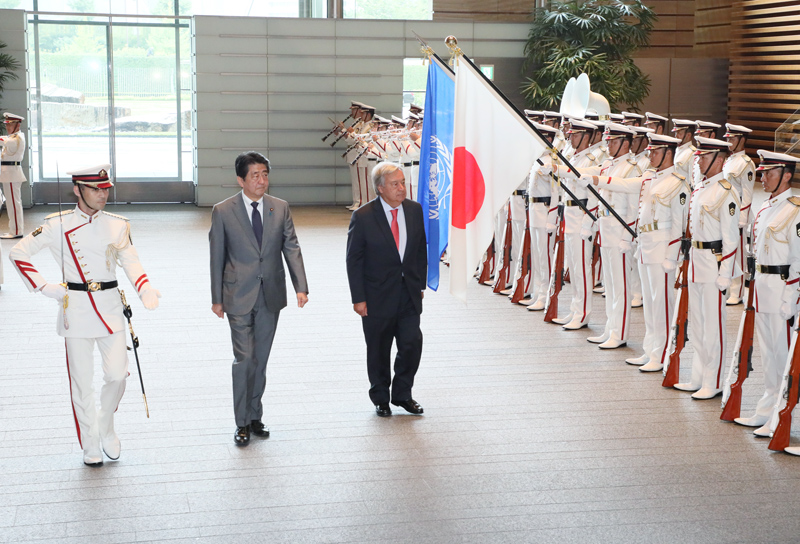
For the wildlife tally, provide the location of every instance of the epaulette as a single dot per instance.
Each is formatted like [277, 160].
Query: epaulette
[57, 214]
[115, 215]
[725, 184]
[795, 200]
[632, 161]
[680, 177]
[747, 158]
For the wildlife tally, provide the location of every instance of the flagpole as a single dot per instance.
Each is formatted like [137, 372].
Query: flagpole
[550, 147]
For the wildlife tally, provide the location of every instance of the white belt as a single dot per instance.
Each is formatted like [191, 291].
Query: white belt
[655, 225]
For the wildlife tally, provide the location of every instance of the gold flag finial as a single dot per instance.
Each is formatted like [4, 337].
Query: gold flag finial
[455, 51]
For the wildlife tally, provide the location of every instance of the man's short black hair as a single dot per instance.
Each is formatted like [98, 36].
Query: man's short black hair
[248, 158]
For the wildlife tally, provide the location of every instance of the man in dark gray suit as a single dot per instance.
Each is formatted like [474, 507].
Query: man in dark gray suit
[249, 232]
[387, 265]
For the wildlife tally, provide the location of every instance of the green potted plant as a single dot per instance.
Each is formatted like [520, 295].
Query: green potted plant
[8, 65]
[598, 37]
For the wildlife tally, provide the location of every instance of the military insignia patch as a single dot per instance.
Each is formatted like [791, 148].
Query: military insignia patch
[749, 176]
[732, 208]
[798, 230]
[37, 232]
[683, 199]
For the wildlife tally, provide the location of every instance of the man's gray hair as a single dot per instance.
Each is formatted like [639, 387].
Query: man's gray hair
[380, 172]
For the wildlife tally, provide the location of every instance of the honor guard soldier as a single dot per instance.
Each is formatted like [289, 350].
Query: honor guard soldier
[657, 122]
[663, 196]
[351, 155]
[89, 244]
[615, 241]
[12, 151]
[578, 229]
[714, 218]
[642, 158]
[740, 172]
[412, 152]
[683, 130]
[777, 251]
[542, 218]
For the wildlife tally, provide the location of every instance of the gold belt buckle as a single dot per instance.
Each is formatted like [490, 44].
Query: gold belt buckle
[94, 286]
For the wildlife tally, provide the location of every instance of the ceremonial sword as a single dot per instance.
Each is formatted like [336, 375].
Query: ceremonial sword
[127, 312]
[65, 301]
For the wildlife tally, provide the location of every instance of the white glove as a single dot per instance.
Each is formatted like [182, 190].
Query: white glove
[551, 227]
[150, 298]
[56, 291]
[586, 233]
[742, 225]
[625, 246]
[786, 311]
[584, 181]
[722, 283]
[669, 265]
[546, 170]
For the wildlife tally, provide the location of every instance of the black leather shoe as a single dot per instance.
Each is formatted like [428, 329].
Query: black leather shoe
[242, 436]
[409, 406]
[258, 428]
[383, 409]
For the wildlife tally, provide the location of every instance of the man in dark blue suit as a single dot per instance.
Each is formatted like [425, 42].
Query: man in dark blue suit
[387, 265]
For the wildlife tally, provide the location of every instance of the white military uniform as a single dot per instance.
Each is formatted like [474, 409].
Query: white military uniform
[662, 199]
[616, 263]
[12, 151]
[411, 165]
[542, 212]
[516, 204]
[684, 162]
[642, 164]
[93, 247]
[777, 244]
[741, 173]
[714, 217]
[578, 250]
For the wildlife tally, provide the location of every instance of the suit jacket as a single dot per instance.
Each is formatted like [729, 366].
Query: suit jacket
[374, 269]
[240, 271]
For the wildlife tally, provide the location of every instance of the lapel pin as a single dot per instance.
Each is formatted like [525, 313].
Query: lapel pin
[270, 210]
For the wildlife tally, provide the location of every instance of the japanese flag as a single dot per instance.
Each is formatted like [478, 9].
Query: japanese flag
[494, 148]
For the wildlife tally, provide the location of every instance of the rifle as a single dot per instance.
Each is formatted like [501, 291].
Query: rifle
[680, 316]
[742, 360]
[344, 132]
[557, 274]
[335, 126]
[781, 420]
[525, 261]
[488, 264]
[596, 259]
[501, 278]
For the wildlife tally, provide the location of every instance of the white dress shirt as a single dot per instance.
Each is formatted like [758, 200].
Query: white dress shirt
[248, 204]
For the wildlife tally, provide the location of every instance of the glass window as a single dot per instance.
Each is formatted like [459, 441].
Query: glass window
[415, 78]
[386, 9]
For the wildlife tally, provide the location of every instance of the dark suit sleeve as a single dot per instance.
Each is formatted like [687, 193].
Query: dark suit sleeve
[356, 245]
[216, 241]
[293, 255]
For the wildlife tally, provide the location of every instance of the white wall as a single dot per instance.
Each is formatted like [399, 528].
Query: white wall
[270, 85]
[15, 95]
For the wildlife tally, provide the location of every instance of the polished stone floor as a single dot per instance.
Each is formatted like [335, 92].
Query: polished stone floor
[530, 433]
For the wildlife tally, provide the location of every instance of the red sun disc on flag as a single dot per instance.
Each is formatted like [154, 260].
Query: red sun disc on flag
[469, 188]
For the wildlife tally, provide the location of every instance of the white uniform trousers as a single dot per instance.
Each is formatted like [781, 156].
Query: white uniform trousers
[13, 193]
[369, 190]
[578, 258]
[707, 313]
[658, 298]
[634, 276]
[517, 204]
[90, 422]
[499, 237]
[355, 183]
[542, 246]
[774, 336]
[412, 179]
[618, 296]
[736, 290]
